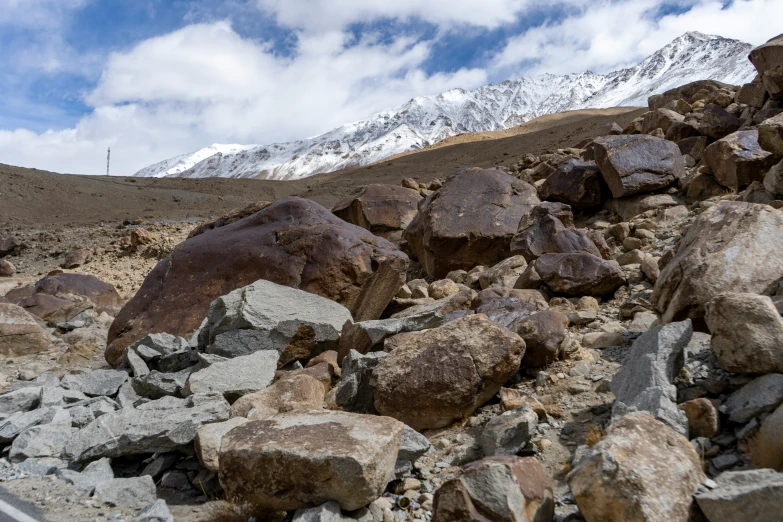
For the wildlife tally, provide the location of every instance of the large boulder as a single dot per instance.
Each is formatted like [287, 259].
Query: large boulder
[747, 333]
[771, 135]
[660, 119]
[299, 460]
[71, 287]
[455, 232]
[292, 242]
[690, 93]
[640, 471]
[235, 377]
[20, 333]
[268, 316]
[768, 60]
[576, 183]
[717, 122]
[737, 160]
[433, 378]
[496, 489]
[384, 210]
[754, 495]
[504, 306]
[731, 247]
[577, 274]
[645, 381]
[544, 334]
[542, 232]
[632, 164]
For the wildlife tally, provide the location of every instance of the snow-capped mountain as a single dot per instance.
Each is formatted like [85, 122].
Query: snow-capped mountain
[428, 119]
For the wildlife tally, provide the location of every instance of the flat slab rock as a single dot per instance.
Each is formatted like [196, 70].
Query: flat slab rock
[300, 460]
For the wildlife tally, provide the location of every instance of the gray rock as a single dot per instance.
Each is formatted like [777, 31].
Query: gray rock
[413, 446]
[160, 464]
[48, 440]
[23, 399]
[155, 384]
[155, 346]
[295, 323]
[102, 382]
[42, 467]
[157, 426]
[85, 412]
[60, 397]
[22, 420]
[92, 475]
[235, 377]
[134, 361]
[744, 496]
[509, 433]
[135, 493]
[758, 396]
[329, 512]
[175, 362]
[354, 392]
[127, 396]
[645, 382]
[158, 511]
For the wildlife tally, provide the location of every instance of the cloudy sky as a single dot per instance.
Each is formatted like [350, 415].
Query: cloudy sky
[157, 78]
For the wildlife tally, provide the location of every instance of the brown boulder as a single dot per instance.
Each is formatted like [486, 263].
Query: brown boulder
[548, 235]
[576, 183]
[679, 130]
[660, 119]
[7, 269]
[638, 163]
[717, 122]
[737, 160]
[293, 242]
[20, 333]
[62, 290]
[232, 217]
[453, 231]
[76, 258]
[573, 274]
[384, 210]
[290, 393]
[640, 471]
[496, 489]
[753, 94]
[504, 306]
[141, 236]
[433, 378]
[693, 146]
[768, 60]
[731, 247]
[8, 245]
[771, 135]
[690, 93]
[543, 333]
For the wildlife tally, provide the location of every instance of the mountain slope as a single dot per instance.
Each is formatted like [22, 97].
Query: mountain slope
[426, 120]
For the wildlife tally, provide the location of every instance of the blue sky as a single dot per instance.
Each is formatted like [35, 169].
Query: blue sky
[157, 78]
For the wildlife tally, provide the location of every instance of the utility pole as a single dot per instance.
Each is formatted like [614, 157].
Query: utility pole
[108, 159]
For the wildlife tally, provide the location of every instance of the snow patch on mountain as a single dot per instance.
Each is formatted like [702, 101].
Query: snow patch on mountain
[426, 120]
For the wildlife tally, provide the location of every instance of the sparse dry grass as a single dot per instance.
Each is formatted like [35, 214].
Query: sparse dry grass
[594, 434]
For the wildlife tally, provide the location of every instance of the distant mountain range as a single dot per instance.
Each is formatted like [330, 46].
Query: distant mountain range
[426, 120]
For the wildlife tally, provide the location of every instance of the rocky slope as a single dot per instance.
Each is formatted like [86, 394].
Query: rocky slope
[429, 119]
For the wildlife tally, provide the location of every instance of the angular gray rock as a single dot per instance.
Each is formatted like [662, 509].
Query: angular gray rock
[354, 392]
[157, 426]
[328, 512]
[743, 496]
[235, 377]
[48, 440]
[758, 396]
[268, 316]
[645, 382]
[83, 413]
[93, 474]
[577, 274]
[156, 385]
[158, 511]
[136, 492]
[102, 382]
[509, 433]
[154, 346]
[18, 422]
[413, 446]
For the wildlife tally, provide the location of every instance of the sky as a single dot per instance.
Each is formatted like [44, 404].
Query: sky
[154, 79]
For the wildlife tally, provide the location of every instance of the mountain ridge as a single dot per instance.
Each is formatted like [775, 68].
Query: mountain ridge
[425, 120]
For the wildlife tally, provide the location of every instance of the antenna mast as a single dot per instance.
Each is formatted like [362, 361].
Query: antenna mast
[108, 160]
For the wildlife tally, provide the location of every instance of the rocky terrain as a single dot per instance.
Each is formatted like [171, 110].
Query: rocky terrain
[590, 332]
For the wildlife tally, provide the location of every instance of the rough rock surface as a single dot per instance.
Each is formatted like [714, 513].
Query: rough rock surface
[235, 377]
[439, 376]
[293, 242]
[20, 333]
[384, 210]
[640, 471]
[301, 460]
[576, 183]
[771, 135]
[452, 232]
[744, 496]
[737, 160]
[543, 333]
[768, 60]
[573, 274]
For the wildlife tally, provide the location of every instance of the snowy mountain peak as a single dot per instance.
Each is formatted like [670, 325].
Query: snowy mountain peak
[426, 120]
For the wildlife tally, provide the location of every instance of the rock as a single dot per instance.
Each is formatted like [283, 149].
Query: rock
[495, 489]
[433, 378]
[452, 232]
[46, 440]
[576, 183]
[154, 347]
[20, 332]
[93, 474]
[76, 258]
[289, 393]
[768, 60]
[743, 496]
[229, 218]
[503, 274]
[650, 268]
[156, 385]
[158, 511]
[102, 382]
[747, 333]
[717, 122]
[573, 274]
[102, 295]
[7, 269]
[660, 119]
[141, 236]
[208, 440]
[679, 130]
[760, 395]
[543, 233]
[737, 160]
[355, 392]
[384, 210]
[643, 321]
[544, 333]
[505, 306]
[640, 471]
[731, 247]
[509, 433]
[136, 492]
[773, 180]
[328, 512]
[268, 316]
[511, 399]
[9, 245]
[752, 94]
[766, 450]
[702, 417]
[690, 93]
[645, 382]
[637, 163]
[18, 422]
[298, 460]
[629, 208]
[157, 426]
[22, 399]
[236, 377]
[413, 446]
[770, 135]
[293, 242]
[442, 288]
